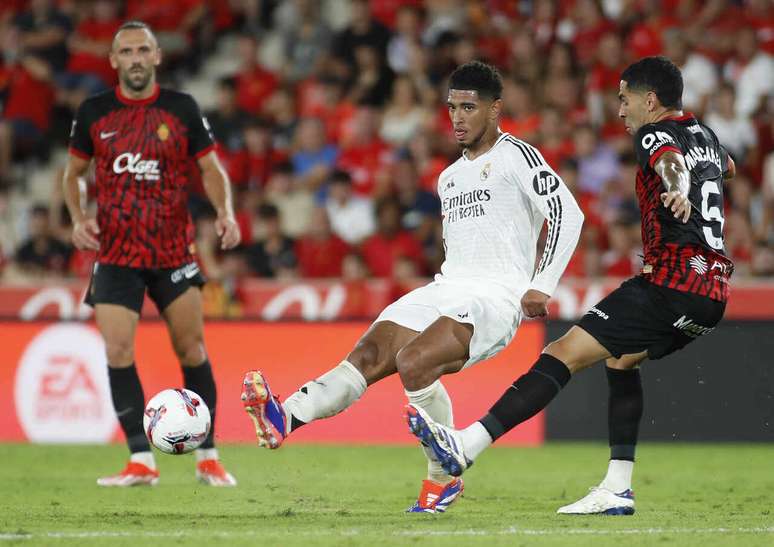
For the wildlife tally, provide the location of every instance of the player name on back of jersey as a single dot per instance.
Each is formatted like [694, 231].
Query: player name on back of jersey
[466, 205]
[698, 154]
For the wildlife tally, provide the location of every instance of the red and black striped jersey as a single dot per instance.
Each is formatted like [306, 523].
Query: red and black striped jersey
[143, 151]
[690, 256]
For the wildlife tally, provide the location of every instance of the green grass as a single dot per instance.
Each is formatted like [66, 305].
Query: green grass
[327, 495]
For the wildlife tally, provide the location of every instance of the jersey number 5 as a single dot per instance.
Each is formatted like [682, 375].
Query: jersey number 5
[711, 214]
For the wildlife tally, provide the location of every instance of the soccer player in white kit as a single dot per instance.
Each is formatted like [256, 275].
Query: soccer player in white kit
[494, 199]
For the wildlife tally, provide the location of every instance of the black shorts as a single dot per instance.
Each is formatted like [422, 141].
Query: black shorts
[640, 316]
[125, 286]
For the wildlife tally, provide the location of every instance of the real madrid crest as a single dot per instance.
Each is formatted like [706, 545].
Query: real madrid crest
[163, 132]
[485, 171]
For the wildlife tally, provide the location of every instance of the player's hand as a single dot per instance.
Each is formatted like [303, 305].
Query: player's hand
[84, 235]
[228, 231]
[534, 303]
[679, 205]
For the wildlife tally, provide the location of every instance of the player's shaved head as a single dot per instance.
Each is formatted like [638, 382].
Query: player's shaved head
[135, 25]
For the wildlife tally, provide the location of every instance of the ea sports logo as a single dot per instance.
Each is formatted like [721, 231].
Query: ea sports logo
[61, 391]
[545, 183]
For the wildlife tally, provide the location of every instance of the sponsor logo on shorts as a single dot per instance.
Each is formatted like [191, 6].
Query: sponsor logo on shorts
[462, 315]
[690, 328]
[187, 272]
[600, 313]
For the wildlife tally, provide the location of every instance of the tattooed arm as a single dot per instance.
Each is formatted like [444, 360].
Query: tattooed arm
[677, 180]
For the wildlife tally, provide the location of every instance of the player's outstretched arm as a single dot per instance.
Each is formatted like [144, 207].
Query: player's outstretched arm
[85, 229]
[218, 189]
[671, 167]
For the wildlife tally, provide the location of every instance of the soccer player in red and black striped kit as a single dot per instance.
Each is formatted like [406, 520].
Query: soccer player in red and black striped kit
[679, 296]
[143, 140]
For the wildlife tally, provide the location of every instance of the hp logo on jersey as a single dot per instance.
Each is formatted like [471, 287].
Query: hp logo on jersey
[545, 183]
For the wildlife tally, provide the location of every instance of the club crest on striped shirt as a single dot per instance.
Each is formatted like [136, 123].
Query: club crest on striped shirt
[485, 171]
[545, 183]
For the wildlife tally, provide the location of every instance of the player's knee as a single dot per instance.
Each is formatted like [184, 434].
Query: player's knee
[190, 352]
[563, 351]
[120, 353]
[411, 367]
[365, 357]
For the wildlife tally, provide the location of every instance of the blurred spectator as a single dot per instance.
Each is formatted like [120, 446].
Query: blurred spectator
[390, 242]
[520, 117]
[281, 109]
[320, 253]
[176, 24]
[42, 253]
[312, 158]
[597, 162]
[324, 98]
[227, 120]
[254, 84]
[587, 28]
[351, 216]
[306, 42]
[363, 154]
[752, 72]
[90, 45]
[700, 77]
[420, 209]
[621, 259]
[252, 165]
[294, 202]
[363, 30]
[735, 132]
[403, 115]
[605, 75]
[43, 31]
[272, 254]
[26, 116]
[372, 79]
[405, 42]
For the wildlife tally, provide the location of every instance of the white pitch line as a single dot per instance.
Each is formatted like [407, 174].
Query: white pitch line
[409, 533]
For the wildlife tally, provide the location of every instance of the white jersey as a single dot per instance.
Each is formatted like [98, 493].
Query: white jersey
[493, 210]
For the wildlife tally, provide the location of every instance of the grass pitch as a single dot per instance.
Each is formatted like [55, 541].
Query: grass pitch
[331, 495]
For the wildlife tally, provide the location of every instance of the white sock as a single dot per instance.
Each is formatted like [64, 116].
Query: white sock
[326, 396]
[145, 458]
[434, 400]
[619, 476]
[475, 439]
[206, 454]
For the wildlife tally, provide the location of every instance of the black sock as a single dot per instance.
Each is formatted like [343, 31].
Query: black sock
[624, 411]
[528, 395]
[200, 380]
[129, 402]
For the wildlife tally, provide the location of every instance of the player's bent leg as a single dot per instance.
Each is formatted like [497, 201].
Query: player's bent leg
[442, 348]
[372, 359]
[185, 324]
[118, 325]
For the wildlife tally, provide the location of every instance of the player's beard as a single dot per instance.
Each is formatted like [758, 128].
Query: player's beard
[475, 142]
[137, 80]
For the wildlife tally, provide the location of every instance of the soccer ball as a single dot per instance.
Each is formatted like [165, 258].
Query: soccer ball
[176, 421]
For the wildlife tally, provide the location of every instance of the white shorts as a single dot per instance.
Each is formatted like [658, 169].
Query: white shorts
[492, 309]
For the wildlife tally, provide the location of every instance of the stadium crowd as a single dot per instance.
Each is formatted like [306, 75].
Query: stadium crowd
[335, 136]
